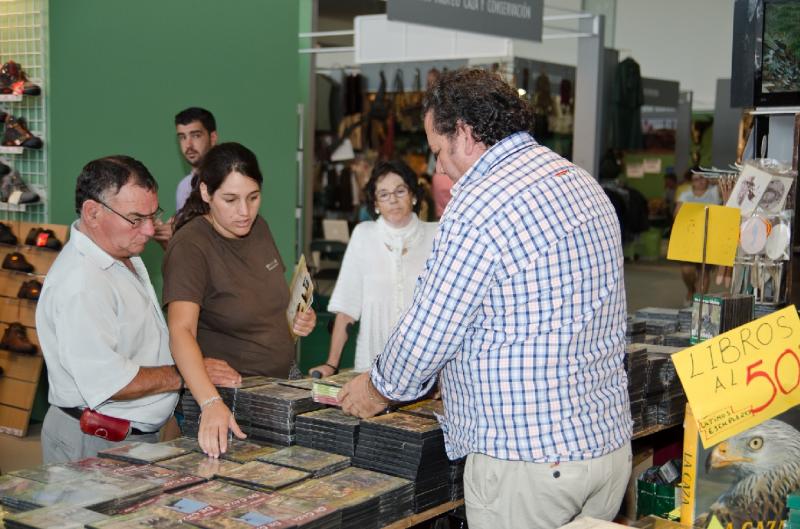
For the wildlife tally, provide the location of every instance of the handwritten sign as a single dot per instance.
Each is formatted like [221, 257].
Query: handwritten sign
[686, 239]
[744, 376]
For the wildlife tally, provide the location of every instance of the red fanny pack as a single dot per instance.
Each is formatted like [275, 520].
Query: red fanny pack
[108, 428]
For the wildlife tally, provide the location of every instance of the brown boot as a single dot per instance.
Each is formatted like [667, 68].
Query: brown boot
[15, 339]
[14, 81]
[30, 290]
[16, 261]
[17, 134]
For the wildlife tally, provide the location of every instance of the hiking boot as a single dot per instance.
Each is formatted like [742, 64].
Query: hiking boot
[14, 81]
[13, 182]
[16, 261]
[17, 134]
[6, 235]
[30, 290]
[43, 239]
[15, 338]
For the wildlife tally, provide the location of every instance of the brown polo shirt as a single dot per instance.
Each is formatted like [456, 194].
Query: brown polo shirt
[240, 287]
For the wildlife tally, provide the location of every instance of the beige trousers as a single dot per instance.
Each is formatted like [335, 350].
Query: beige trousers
[516, 494]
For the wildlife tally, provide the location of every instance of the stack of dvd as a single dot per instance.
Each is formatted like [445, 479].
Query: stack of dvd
[271, 411]
[326, 390]
[191, 409]
[457, 478]
[407, 446]
[276, 511]
[721, 313]
[636, 368]
[666, 401]
[243, 451]
[367, 499]
[166, 479]
[99, 492]
[635, 330]
[198, 465]
[315, 462]
[263, 477]
[685, 320]
[653, 339]
[329, 429]
[677, 339]
[142, 453]
[765, 309]
[61, 516]
[659, 320]
[188, 506]
[430, 408]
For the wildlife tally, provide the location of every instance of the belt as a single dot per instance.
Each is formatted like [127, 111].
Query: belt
[77, 412]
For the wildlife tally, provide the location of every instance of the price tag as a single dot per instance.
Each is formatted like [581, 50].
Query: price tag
[744, 376]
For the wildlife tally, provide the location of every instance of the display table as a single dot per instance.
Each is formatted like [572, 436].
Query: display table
[414, 519]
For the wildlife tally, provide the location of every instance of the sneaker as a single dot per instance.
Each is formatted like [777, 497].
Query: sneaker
[6, 235]
[15, 338]
[16, 261]
[14, 81]
[17, 134]
[42, 238]
[11, 183]
[30, 290]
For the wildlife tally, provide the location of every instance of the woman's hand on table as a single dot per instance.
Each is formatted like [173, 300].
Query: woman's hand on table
[215, 421]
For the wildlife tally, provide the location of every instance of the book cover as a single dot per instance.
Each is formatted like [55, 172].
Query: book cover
[301, 292]
[743, 481]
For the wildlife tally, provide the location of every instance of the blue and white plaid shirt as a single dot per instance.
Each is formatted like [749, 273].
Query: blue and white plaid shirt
[521, 306]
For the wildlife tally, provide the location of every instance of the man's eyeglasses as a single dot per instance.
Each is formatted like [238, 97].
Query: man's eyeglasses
[400, 193]
[138, 220]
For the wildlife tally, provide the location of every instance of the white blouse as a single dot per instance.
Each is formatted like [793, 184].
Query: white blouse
[377, 279]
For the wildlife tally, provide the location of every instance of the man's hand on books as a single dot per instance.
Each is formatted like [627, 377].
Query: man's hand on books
[304, 322]
[360, 398]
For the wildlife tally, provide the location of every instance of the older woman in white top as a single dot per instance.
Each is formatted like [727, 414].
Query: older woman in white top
[381, 265]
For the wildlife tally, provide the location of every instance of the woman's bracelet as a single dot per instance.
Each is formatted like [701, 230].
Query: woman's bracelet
[335, 369]
[208, 402]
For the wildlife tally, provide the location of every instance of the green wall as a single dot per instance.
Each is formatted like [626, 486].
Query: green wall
[121, 69]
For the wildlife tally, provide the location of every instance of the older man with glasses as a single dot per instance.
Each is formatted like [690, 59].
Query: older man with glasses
[101, 329]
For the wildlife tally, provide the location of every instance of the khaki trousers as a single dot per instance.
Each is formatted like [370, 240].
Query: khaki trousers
[517, 494]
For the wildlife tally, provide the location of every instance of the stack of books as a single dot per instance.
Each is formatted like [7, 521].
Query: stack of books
[264, 477]
[196, 464]
[329, 429]
[635, 330]
[410, 447]
[191, 409]
[636, 368]
[143, 453]
[721, 313]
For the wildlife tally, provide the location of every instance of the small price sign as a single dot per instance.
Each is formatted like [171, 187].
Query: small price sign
[743, 377]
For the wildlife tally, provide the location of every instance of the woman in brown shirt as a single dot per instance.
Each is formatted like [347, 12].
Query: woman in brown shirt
[225, 291]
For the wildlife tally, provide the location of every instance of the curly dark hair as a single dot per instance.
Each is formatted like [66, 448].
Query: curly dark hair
[480, 99]
[102, 178]
[401, 169]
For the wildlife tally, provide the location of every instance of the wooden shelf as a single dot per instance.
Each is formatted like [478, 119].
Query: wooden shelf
[655, 429]
[418, 518]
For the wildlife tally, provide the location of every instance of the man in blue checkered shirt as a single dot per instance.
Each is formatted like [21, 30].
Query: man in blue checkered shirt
[520, 314]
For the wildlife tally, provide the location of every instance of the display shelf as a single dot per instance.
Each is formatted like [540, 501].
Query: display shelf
[10, 98]
[414, 519]
[654, 429]
[4, 149]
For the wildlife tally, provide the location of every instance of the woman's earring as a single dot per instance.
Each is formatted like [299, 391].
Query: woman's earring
[377, 211]
[413, 201]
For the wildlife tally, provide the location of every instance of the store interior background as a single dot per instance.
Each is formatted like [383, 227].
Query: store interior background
[119, 71]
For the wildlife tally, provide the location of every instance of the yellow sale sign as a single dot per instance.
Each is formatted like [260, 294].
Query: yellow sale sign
[743, 377]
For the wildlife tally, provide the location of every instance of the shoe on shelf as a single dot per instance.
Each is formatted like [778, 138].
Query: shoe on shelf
[42, 238]
[11, 183]
[4, 169]
[14, 81]
[15, 338]
[16, 133]
[17, 262]
[6, 235]
[30, 290]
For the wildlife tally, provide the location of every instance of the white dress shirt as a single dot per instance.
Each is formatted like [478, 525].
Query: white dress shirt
[98, 323]
[377, 278]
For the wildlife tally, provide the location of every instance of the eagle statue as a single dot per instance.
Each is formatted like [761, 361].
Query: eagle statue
[766, 461]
